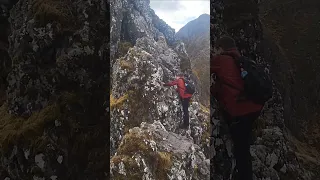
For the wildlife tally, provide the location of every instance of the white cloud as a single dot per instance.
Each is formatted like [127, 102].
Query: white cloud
[177, 13]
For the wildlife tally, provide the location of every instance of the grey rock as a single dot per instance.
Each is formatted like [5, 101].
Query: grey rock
[181, 157]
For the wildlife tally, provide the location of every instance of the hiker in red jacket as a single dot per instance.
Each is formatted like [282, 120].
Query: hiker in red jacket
[184, 97]
[239, 113]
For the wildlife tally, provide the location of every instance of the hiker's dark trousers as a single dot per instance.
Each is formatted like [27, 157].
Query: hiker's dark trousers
[241, 134]
[185, 105]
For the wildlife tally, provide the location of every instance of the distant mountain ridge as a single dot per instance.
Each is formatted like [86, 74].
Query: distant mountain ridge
[196, 37]
[195, 27]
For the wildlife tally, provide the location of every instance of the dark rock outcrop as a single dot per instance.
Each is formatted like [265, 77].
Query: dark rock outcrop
[274, 157]
[53, 124]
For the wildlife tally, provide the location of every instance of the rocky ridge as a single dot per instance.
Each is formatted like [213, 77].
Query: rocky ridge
[145, 116]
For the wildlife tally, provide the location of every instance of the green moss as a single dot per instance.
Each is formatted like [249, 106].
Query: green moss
[16, 129]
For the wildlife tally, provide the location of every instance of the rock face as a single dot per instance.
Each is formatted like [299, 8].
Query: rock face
[196, 37]
[152, 152]
[4, 44]
[55, 75]
[274, 157]
[133, 19]
[145, 114]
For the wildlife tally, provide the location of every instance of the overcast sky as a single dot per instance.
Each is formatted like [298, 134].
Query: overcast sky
[177, 13]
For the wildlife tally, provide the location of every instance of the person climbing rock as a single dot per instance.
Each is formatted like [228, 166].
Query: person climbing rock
[239, 97]
[185, 90]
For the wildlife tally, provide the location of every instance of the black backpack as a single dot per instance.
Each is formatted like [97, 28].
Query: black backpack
[257, 83]
[189, 87]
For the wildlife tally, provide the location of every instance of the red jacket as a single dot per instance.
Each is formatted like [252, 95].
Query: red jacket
[226, 70]
[180, 87]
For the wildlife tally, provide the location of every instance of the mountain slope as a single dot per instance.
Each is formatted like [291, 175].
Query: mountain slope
[196, 37]
[146, 139]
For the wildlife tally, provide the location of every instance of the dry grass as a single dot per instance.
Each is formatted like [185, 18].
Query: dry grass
[134, 143]
[204, 108]
[52, 10]
[196, 73]
[164, 160]
[305, 153]
[117, 103]
[163, 164]
[126, 65]
[13, 129]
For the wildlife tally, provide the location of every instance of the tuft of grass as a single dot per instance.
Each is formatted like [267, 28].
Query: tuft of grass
[196, 73]
[133, 143]
[46, 11]
[204, 108]
[117, 103]
[126, 65]
[16, 129]
[163, 162]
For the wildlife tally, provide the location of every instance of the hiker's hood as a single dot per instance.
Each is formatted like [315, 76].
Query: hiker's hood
[233, 51]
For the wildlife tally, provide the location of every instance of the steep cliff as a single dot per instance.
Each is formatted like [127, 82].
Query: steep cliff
[196, 36]
[54, 76]
[274, 150]
[146, 138]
